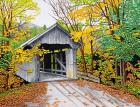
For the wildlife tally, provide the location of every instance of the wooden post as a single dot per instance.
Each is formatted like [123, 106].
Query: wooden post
[52, 62]
[55, 63]
[61, 59]
[71, 63]
[43, 63]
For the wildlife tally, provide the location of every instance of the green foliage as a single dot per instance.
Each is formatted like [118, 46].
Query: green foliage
[44, 27]
[87, 58]
[134, 90]
[137, 74]
[78, 58]
[107, 71]
[2, 38]
[5, 60]
[122, 50]
[131, 15]
[129, 32]
[37, 30]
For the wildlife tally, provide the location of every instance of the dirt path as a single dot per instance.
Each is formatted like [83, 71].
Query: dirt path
[69, 94]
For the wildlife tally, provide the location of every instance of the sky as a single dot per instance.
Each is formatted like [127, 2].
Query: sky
[45, 16]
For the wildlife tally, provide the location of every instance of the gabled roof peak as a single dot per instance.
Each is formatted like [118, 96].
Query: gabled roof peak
[40, 35]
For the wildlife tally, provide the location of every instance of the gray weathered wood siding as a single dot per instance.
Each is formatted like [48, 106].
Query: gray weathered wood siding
[55, 36]
[23, 68]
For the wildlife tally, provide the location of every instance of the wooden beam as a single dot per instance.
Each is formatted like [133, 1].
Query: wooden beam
[61, 64]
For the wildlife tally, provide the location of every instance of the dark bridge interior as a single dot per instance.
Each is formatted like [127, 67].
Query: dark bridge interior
[54, 46]
[55, 61]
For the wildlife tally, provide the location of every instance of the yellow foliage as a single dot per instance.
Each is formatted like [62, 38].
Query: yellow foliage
[85, 33]
[136, 33]
[19, 51]
[117, 37]
[115, 3]
[78, 52]
[95, 10]
[84, 13]
[30, 70]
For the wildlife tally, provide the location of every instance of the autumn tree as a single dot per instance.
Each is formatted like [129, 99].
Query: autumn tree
[14, 14]
[125, 46]
[115, 19]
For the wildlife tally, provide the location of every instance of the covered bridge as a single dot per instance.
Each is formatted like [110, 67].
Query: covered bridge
[61, 63]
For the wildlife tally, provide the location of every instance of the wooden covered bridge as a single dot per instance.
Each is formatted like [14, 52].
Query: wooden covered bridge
[58, 64]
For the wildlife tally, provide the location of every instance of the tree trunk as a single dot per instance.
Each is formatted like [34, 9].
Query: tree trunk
[83, 58]
[7, 81]
[124, 72]
[117, 69]
[91, 44]
[121, 71]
